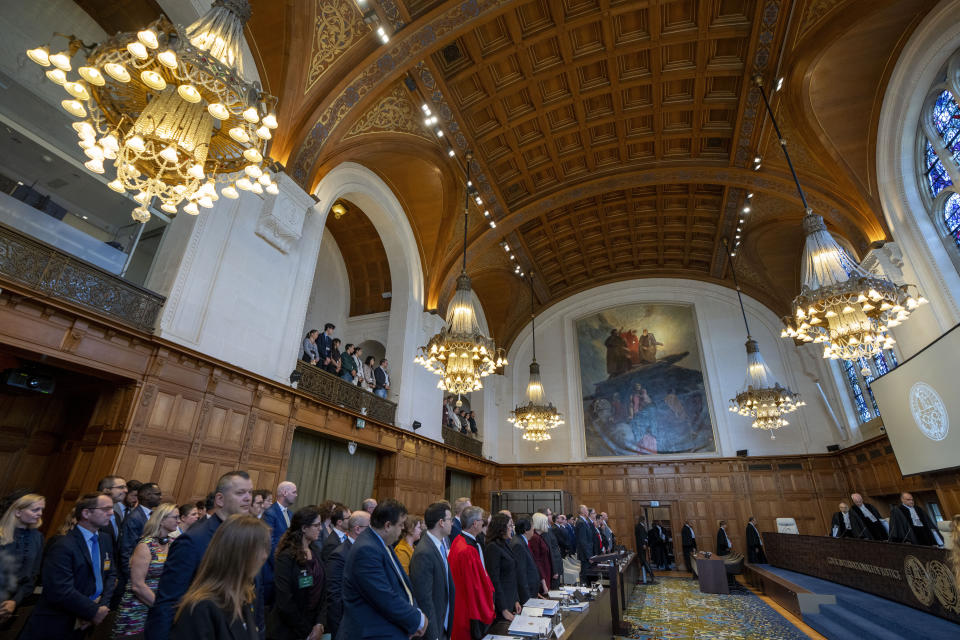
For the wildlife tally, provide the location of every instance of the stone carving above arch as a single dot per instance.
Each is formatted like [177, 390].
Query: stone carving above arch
[394, 113]
[338, 26]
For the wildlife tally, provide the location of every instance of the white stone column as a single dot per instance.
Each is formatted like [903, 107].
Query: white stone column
[231, 276]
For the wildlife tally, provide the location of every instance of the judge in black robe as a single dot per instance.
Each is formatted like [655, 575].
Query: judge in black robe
[723, 540]
[911, 524]
[755, 554]
[658, 546]
[688, 540]
[847, 524]
[640, 534]
[870, 516]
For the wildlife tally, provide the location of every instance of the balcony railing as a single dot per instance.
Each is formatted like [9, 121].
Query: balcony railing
[49, 272]
[462, 442]
[334, 390]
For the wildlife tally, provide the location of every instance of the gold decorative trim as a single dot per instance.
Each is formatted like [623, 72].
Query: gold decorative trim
[339, 26]
[393, 113]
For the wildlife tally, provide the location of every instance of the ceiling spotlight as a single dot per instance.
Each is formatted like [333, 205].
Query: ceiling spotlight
[487, 213]
[493, 225]
[439, 133]
[780, 83]
[506, 247]
[425, 108]
[450, 152]
[749, 195]
[756, 159]
[746, 209]
[478, 200]
[756, 167]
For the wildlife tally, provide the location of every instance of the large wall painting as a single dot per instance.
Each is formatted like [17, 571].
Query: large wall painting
[641, 378]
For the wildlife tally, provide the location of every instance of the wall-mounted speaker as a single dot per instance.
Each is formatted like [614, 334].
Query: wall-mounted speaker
[833, 447]
[742, 453]
[416, 425]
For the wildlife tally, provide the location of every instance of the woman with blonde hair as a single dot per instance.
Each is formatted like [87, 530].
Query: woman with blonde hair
[541, 550]
[411, 532]
[219, 603]
[146, 567]
[21, 540]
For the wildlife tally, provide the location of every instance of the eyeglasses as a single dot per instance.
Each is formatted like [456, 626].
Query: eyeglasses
[119, 486]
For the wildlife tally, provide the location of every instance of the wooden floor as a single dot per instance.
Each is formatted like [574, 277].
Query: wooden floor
[792, 619]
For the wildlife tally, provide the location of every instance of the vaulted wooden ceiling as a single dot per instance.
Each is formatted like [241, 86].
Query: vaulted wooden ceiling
[612, 139]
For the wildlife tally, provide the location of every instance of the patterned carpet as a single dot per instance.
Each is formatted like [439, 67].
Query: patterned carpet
[675, 609]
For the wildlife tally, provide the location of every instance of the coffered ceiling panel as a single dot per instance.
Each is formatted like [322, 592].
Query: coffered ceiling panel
[553, 92]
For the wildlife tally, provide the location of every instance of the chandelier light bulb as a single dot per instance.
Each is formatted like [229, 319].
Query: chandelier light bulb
[94, 165]
[170, 154]
[40, 55]
[92, 75]
[252, 155]
[239, 134]
[169, 208]
[136, 144]
[191, 208]
[148, 37]
[74, 108]
[230, 192]
[195, 171]
[218, 111]
[84, 129]
[143, 197]
[117, 71]
[116, 185]
[264, 179]
[273, 189]
[244, 184]
[61, 60]
[56, 76]
[109, 143]
[77, 90]
[168, 59]
[153, 80]
[251, 115]
[256, 188]
[253, 171]
[206, 202]
[138, 50]
[270, 121]
[264, 133]
[189, 93]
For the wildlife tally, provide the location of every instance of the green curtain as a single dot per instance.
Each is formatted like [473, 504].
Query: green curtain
[461, 485]
[323, 469]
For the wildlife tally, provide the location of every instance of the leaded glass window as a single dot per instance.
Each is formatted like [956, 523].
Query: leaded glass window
[940, 163]
[859, 384]
[951, 216]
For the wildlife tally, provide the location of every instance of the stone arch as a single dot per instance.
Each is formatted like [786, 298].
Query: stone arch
[926, 261]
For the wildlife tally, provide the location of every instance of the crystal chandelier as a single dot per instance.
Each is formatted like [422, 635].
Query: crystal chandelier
[841, 305]
[762, 398]
[460, 353]
[170, 108]
[537, 417]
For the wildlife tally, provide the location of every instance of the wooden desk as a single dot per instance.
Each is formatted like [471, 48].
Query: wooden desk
[712, 574]
[919, 577]
[592, 624]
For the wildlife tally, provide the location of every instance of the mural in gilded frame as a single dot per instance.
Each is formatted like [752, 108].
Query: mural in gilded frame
[642, 382]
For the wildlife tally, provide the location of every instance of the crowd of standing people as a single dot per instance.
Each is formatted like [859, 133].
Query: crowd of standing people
[322, 350]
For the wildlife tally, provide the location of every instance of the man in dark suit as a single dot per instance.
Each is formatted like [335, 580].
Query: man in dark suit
[870, 516]
[458, 506]
[381, 380]
[755, 554]
[723, 540]
[430, 574]
[528, 577]
[78, 576]
[333, 571]
[339, 520]
[587, 545]
[688, 540]
[552, 537]
[642, 541]
[377, 596]
[277, 517]
[233, 495]
[567, 526]
[325, 346]
[657, 540]
[115, 488]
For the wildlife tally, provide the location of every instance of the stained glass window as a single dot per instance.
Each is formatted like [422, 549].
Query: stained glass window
[881, 364]
[936, 172]
[951, 216]
[946, 119]
[863, 410]
[865, 366]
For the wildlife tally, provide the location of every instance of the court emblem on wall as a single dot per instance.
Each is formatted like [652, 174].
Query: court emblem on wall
[929, 412]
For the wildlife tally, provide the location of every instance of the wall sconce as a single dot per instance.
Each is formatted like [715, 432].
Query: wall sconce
[338, 210]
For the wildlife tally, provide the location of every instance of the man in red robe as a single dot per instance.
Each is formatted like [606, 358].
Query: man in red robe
[473, 591]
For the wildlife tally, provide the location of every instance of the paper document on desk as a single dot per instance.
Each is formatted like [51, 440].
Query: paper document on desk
[577, 606]
[495, 637]
[530, 627]
[547, 607]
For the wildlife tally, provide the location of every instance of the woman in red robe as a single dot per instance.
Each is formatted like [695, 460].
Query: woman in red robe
[473, 592]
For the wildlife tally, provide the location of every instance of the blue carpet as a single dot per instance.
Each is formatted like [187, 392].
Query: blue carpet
[859, 615]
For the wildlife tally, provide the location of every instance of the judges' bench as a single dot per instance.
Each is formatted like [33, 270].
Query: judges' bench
[920, 577]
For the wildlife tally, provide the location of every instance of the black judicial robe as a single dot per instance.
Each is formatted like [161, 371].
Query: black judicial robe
[755, 554]
[839, 530]
[902, 529]
[875, 530]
